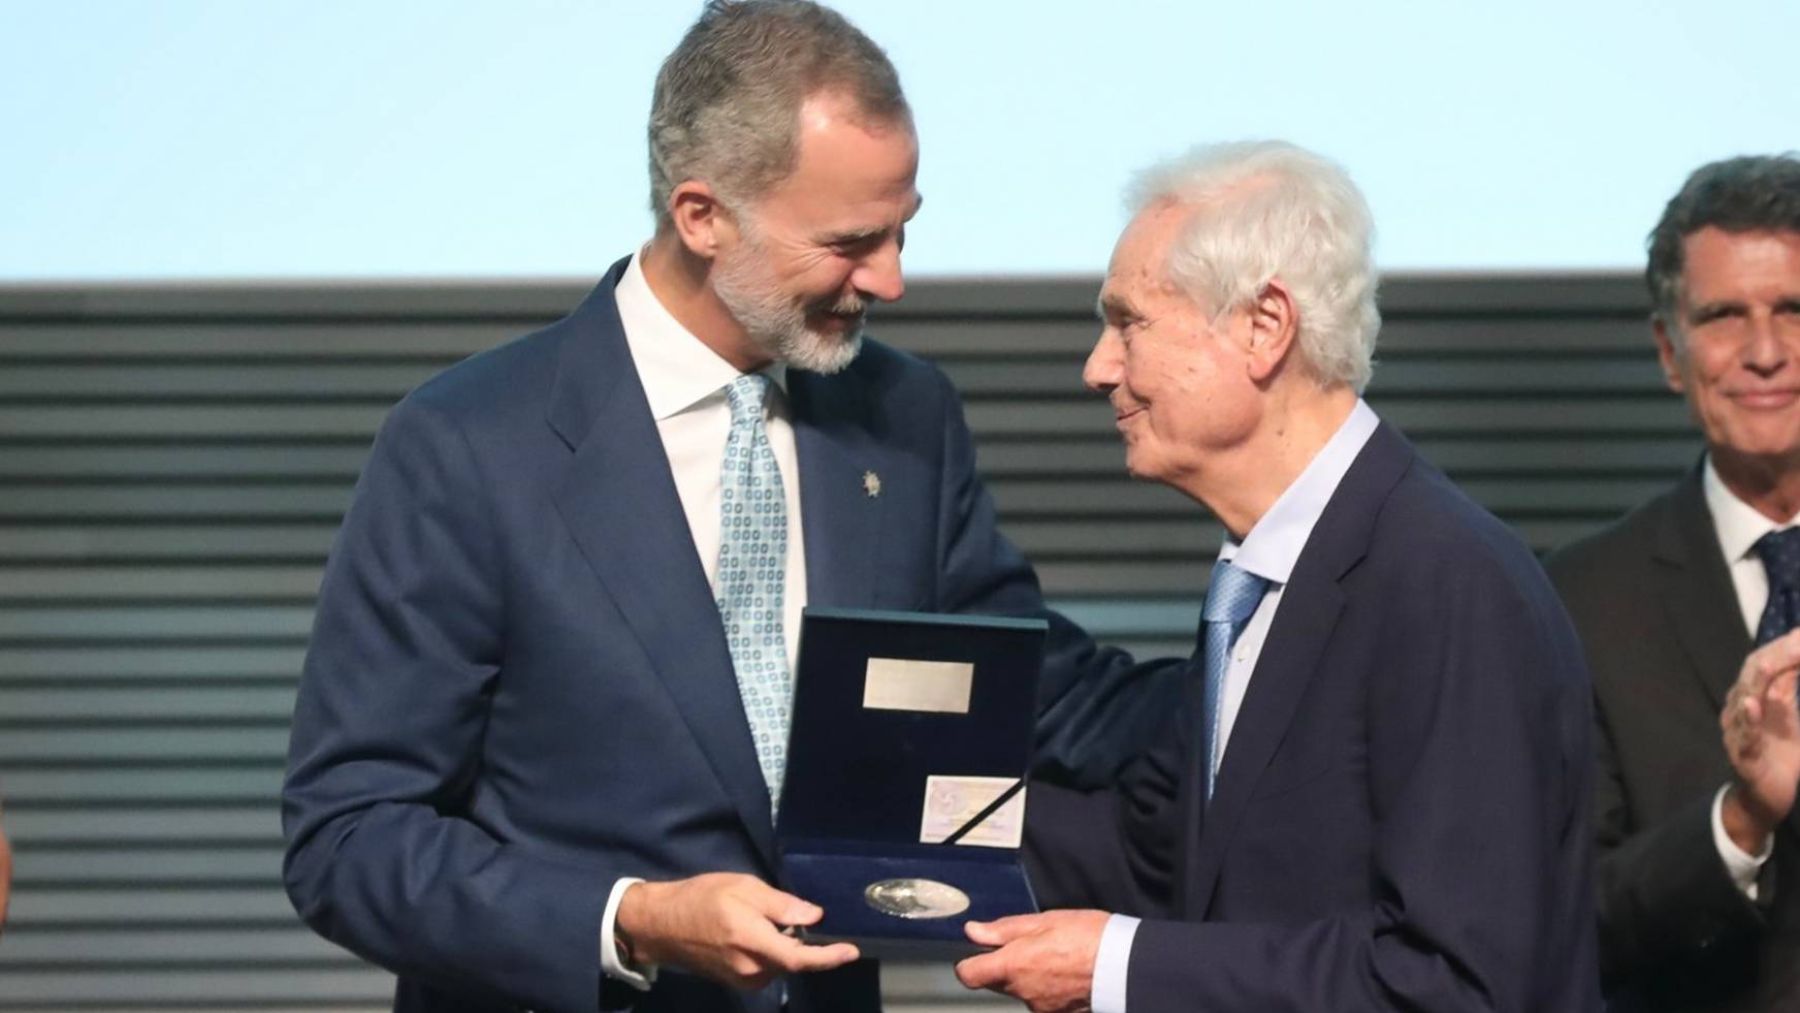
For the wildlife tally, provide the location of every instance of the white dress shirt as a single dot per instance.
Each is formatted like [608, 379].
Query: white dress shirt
[685, 381]
[1739, 526]
[1270, 551]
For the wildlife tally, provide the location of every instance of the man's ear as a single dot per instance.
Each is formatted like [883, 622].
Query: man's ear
[1274, 322]
[701, 220]
[1667, 354]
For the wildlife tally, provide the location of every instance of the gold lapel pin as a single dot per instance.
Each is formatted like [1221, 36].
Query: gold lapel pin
[871, 484]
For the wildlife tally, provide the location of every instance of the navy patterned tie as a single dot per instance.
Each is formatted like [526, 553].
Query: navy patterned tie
[1230, 601]
[1780, 552]
[752, 571]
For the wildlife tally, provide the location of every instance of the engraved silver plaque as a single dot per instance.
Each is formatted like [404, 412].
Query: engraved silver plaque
[916, 898]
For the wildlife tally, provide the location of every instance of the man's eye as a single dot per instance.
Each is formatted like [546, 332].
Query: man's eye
[855, 246]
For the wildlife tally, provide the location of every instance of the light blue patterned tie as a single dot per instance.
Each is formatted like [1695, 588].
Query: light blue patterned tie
[752, 569]
[1230, 601]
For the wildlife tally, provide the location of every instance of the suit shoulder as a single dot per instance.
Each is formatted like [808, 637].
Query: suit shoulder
[885, 367]
[1430, 513]
[494, 388]
[1599, 562]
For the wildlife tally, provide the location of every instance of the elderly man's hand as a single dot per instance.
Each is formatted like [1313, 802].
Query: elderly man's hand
[725, 926]
[1045, 960]
[1761, 722]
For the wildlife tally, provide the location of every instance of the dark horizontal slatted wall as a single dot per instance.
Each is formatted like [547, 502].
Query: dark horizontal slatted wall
[173, 462]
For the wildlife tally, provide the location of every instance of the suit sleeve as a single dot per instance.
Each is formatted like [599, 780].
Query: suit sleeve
[1112, 849]
[1477, 773]
[384, 853]
[1664, 892]
[1665, 898]
[1096, 707]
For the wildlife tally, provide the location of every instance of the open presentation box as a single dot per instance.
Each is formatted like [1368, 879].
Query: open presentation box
[903, 797]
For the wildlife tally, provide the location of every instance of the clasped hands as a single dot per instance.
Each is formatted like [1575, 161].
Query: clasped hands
[730, 927]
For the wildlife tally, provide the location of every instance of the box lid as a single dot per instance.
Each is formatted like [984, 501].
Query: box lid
[880, 707]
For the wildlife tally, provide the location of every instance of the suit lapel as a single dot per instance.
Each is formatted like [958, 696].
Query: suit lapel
[840, 519]
[619, 502]
[1695, 589]
[1310, 605]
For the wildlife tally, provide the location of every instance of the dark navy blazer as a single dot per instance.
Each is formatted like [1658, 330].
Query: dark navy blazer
[518, 689]
[1401, 815]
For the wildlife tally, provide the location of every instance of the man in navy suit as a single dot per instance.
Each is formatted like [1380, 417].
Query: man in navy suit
[539, 734]
[1378, 799]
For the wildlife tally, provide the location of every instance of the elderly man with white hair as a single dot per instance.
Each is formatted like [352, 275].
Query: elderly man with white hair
[1377, 797]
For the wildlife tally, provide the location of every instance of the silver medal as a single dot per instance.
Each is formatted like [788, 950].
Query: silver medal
[916, 898]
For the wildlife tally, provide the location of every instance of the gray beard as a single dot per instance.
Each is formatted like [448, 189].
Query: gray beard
[777, 326]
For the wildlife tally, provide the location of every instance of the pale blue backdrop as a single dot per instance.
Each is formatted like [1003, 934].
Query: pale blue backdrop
[404, 138]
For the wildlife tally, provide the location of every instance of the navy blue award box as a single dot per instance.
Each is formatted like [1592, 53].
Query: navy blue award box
[887, 704]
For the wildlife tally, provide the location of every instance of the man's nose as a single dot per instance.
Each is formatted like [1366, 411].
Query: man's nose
[1765, 352]
[879, 276]
[1105, 364]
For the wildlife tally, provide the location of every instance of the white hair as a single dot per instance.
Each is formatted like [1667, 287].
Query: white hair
[1268, 209]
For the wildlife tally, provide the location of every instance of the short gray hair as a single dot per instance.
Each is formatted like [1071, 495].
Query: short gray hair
[1268, 208]
[1750, 193]
[727, 102]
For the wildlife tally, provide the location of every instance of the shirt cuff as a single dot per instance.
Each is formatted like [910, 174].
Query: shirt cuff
[610, 963]
[1112, 964]
[1742, 867]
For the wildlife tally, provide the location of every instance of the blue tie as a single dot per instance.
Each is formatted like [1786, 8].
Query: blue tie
[1230, 601]
[1780, 552]
[752, 569]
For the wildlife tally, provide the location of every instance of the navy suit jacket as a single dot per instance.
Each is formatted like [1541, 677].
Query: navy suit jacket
[518, 688]
[1400, 818]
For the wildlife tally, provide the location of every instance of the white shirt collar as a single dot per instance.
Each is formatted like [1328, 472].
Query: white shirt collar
[1737, 523]
[678, 370]
[1273, 545]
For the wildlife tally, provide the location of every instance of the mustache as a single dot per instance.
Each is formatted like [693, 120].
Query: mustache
[849, 305]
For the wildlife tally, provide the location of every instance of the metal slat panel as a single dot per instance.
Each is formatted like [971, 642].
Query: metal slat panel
[134, 745]
[154, 623]
[154, 904]
[100, 341]
[154, 703]
[211, 785]
[139, 825]
[174, 462]
[162, 422]
[240, 460]
[249, 989]
[158, 583]
[187, 543]
[280, 502]
[49, 946]
[149, 662]
[283, 381]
